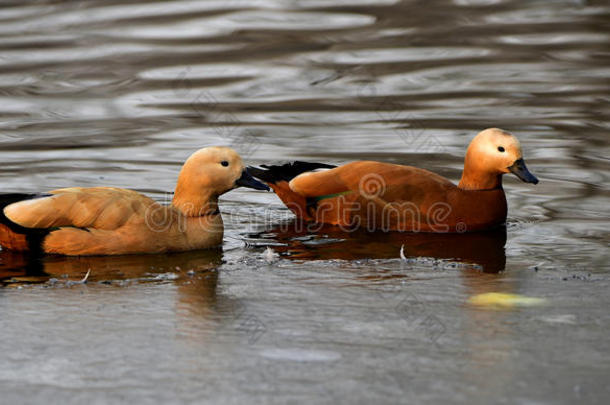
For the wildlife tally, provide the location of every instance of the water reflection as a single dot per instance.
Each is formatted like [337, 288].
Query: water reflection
[297, 241]
[16, 267]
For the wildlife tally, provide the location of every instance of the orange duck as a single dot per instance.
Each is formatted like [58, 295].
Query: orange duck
[391, 197]
[112, 221]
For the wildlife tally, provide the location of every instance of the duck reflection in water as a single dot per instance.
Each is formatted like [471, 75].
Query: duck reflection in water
[306, 241]
[15, 267]
[193, 276]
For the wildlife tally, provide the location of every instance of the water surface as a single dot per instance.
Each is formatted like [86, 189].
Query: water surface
[117, 93]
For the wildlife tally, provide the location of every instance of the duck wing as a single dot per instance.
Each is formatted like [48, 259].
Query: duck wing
[103, 208]
[370, 179]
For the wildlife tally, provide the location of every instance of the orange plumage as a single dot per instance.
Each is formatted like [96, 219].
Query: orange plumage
[383, 196]
[108, 221]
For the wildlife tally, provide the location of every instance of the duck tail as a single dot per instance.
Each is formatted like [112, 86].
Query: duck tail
[275, 174]
[277, 177]
[14, 236]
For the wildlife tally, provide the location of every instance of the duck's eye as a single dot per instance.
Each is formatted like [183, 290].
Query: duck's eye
[224, 163]
[501, 148]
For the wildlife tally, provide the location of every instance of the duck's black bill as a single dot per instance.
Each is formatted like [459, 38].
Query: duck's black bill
[246, 180]
[519, 169]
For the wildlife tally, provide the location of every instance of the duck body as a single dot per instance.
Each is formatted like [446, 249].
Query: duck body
[105, 221]
[391, 197]
[111, 221]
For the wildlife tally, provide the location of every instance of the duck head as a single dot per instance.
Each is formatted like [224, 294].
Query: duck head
[207, 174]
[492, 153]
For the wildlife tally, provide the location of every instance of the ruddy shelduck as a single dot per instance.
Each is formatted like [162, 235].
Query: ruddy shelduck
[111, 221]
[384, 196]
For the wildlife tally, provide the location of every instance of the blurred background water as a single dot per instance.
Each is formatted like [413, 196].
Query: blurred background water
[119, 93]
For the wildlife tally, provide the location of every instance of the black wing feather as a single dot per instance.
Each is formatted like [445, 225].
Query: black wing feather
[274, 173]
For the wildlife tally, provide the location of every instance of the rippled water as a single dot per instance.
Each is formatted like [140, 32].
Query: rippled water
[120, 93]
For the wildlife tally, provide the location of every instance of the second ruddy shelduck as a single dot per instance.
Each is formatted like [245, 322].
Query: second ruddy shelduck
[384, 196]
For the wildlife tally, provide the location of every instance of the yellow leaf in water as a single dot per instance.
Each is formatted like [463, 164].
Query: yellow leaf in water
[504, 300]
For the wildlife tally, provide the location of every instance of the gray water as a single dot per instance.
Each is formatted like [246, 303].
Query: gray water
[118, 93]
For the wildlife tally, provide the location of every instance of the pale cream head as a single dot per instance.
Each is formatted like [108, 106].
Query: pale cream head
[207, 174]
[214, 169]
[492, 153]
[494, 150]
